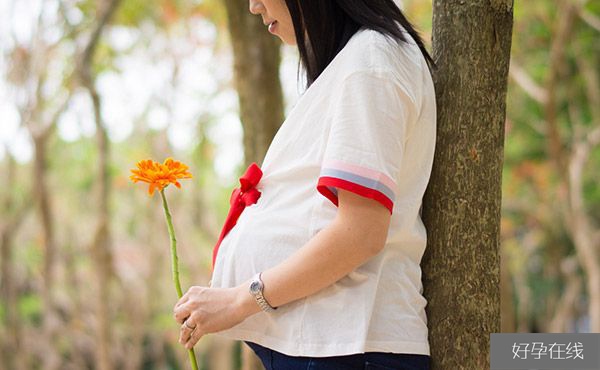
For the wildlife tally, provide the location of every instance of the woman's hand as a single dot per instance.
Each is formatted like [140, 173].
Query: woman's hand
[208, 310]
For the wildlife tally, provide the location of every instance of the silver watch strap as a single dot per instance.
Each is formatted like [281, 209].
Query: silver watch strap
[260, 299]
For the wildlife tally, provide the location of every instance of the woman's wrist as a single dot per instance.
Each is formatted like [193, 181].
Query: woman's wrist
[246, 303]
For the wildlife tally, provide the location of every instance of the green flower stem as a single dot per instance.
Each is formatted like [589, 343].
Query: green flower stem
[175, 265]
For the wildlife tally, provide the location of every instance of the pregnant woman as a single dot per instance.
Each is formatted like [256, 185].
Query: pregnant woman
[322, 269]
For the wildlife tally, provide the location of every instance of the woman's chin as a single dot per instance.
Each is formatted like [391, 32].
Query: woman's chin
[289, 42]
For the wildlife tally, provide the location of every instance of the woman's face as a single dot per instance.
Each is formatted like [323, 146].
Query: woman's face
[275, 10]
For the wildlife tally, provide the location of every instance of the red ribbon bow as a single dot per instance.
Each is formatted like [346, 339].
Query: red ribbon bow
[245, 195]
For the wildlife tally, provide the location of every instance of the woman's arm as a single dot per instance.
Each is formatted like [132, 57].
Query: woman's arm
[357, 233]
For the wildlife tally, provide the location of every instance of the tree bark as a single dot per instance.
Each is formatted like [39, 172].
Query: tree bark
[508, 323]
[461, 266]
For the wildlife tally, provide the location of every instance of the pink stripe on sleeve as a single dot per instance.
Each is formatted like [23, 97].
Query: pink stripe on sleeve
[362, 171]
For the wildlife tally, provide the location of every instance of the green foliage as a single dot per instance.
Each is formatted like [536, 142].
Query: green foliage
[237, 355]
[163, 321]
[531, 183]
[30, 254]
[74, 163]
[590, 186]
[31, 306]
[104, 58]
[133, 12]
[171, 358]
[162, 13]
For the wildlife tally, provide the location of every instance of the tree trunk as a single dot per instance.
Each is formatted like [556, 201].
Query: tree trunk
[12, 217]
[567, 308]
[256, 72]
[508, 323]
[44, 210]
[76, 352]
[461, 266]
[41, 131]
[100, 248]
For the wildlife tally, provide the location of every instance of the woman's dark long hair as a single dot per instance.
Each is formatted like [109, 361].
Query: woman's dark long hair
[329, 24]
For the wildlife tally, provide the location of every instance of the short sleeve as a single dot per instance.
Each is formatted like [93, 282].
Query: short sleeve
[364, 149]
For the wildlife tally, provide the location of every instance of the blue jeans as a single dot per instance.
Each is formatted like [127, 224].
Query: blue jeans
[273, 360]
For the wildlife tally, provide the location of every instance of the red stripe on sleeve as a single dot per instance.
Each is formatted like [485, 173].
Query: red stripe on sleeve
[326, 181]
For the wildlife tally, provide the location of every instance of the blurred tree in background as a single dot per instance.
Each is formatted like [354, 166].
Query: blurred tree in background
[160, 83]
[551, 207]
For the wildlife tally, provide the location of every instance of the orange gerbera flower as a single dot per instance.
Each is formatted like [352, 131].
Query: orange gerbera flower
[160, 175]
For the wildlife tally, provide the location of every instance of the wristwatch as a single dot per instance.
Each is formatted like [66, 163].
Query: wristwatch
[256, 289]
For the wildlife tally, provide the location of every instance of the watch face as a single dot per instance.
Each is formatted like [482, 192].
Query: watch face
[255, 287]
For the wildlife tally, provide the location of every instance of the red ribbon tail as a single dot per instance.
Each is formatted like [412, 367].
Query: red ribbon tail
[245, 195]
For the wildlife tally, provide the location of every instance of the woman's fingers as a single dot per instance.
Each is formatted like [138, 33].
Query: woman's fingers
[184, 298]
[181, 314]
[185, 331]
[206, 310]
[193, 338]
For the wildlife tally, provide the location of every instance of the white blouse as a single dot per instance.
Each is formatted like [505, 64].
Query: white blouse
[368, 125]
